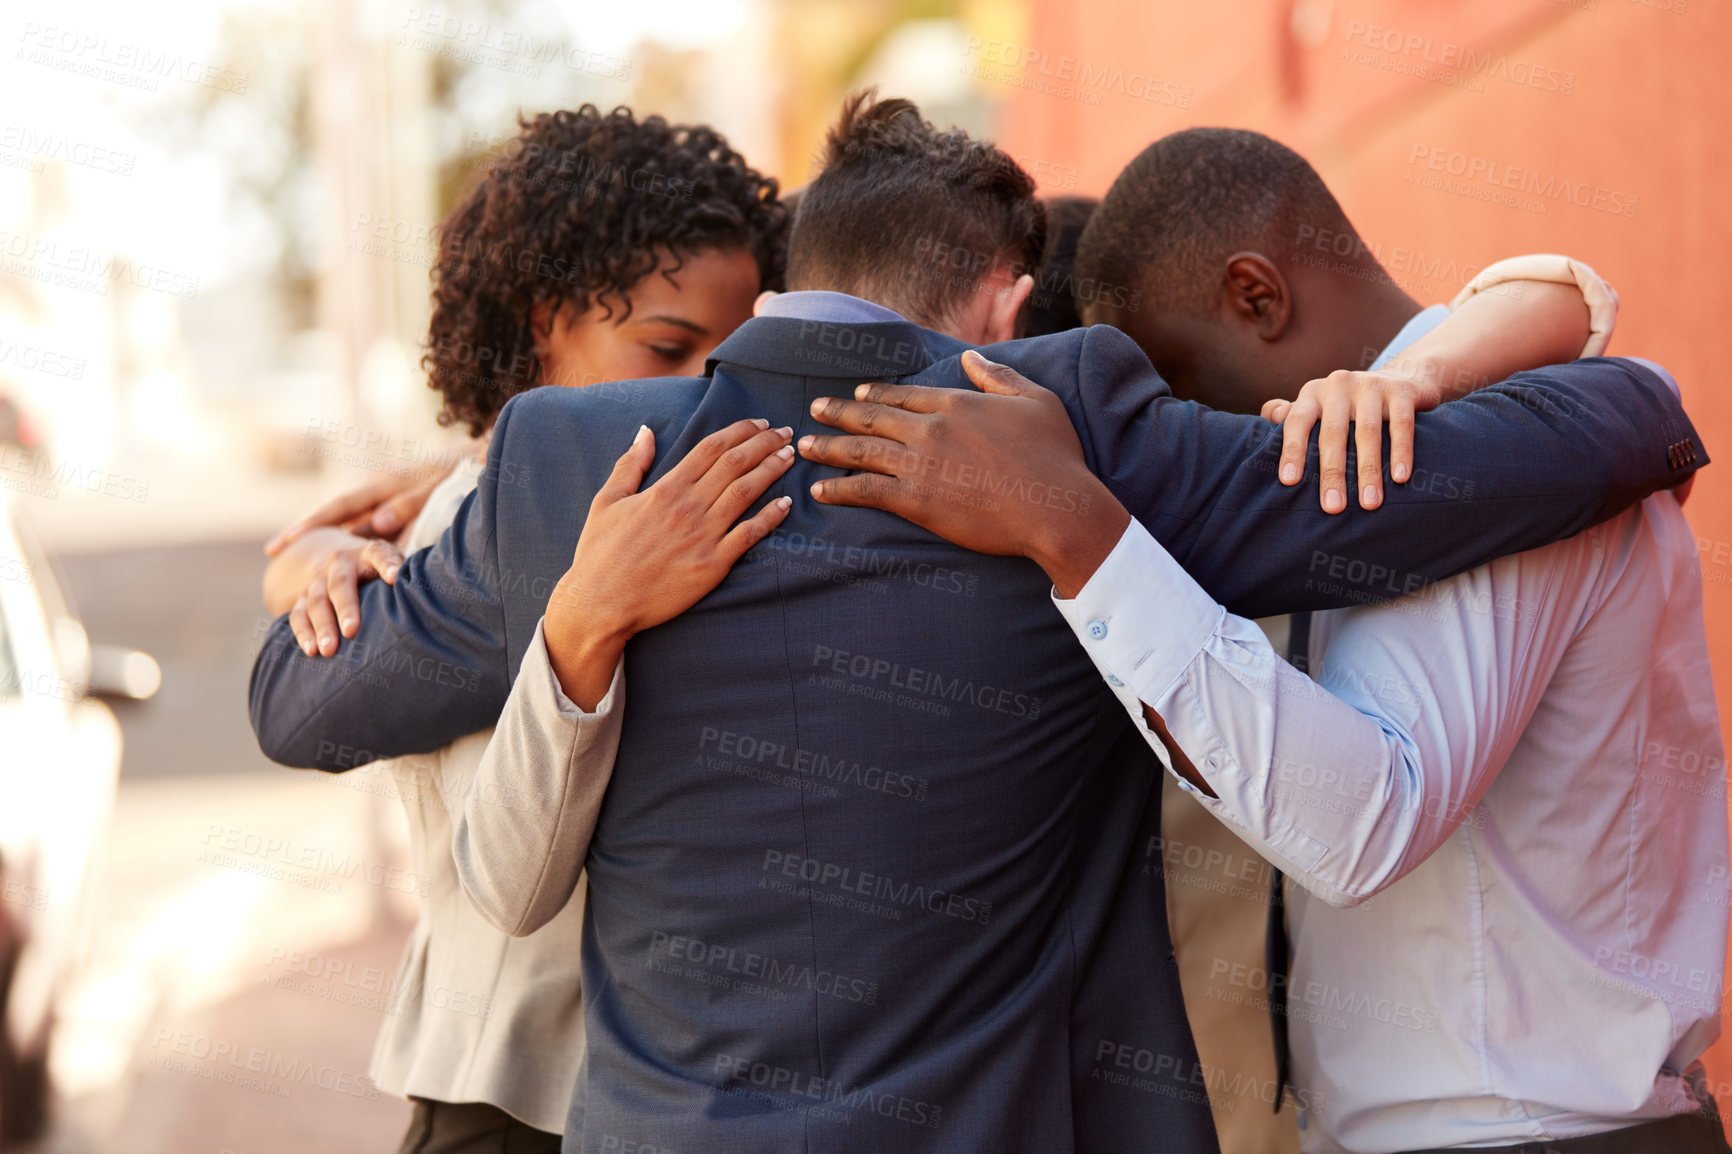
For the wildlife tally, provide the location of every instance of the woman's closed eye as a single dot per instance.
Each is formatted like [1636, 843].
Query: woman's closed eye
[671, 353]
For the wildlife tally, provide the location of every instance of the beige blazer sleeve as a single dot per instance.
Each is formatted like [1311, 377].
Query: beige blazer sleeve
[523, 833]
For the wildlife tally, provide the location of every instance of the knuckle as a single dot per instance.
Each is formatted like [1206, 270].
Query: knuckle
[742, 491]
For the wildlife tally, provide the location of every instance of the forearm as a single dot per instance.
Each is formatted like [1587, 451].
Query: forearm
[1335, 796]
[1532, 460]
[1072, 545]
[428, 662]
[583, 648]
[1493, 335]
[522, 836]
[1334, 792]
[389, 691]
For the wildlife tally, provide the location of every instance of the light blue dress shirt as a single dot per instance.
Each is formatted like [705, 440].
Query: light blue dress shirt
[1503, 804]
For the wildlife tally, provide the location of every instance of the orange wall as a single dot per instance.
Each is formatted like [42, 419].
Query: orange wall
[1627, 98]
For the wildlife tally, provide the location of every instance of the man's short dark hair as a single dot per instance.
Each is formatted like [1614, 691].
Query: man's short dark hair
[1052, 306]
[909, 216]
[1191, 200]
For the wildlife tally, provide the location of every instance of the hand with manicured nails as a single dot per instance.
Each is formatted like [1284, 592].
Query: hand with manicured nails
[645, 558]
[946, 459]
[332, 599]
[1366, 400]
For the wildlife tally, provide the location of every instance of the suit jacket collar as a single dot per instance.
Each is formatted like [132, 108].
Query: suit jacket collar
[879, 350]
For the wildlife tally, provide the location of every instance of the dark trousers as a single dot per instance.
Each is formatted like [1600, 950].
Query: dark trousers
[471, 1128]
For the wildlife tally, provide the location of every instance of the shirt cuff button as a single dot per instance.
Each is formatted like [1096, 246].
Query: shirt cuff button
[1097, 629]
[1114, 682]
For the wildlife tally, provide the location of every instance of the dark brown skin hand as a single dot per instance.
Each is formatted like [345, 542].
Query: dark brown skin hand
[999, 471]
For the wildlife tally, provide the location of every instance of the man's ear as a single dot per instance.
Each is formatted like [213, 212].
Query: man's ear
[1257, 294]
[1006, 307]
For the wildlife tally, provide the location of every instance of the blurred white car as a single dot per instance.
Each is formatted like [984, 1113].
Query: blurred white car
[59, 761]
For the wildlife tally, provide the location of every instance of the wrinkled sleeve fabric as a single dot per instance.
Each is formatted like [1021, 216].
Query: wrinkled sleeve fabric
[1511, 467]
[522, 836]
[428, 664]
[1351, 781]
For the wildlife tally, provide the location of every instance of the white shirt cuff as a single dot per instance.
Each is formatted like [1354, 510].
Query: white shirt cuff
[1141, 618]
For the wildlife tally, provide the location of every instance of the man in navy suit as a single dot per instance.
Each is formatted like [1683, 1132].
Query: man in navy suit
[980, 963]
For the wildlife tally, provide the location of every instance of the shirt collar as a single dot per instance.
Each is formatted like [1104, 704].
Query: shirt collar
[823, 305]
[1422, 322]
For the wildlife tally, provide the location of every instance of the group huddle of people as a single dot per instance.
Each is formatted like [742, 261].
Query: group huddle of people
[802, 711]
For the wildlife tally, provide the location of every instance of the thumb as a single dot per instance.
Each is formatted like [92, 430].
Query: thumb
[397, 511]
[992, 377]
[629, 471]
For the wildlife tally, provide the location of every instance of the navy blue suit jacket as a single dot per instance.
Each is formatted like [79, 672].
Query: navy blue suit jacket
[877, 868]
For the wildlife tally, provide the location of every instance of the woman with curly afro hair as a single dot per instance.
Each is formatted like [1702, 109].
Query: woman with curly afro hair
[599, 247]
[548, 253]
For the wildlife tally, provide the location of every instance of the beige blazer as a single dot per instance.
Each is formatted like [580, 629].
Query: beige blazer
[477, 1015]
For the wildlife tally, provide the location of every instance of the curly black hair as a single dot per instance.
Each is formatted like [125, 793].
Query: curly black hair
[574, 212]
